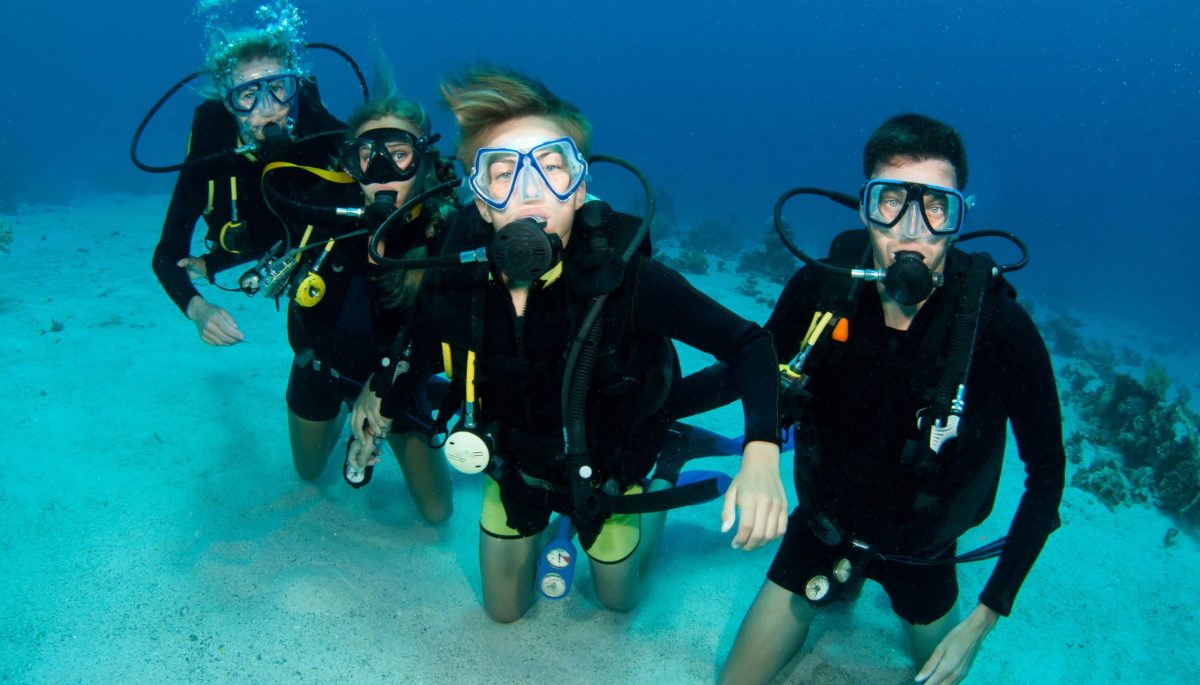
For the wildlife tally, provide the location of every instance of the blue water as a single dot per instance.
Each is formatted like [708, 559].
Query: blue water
[1079, 116]
[1080, 120]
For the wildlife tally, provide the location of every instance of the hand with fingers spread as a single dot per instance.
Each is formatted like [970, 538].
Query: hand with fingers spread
[215, 325]
[756, 498]
[951, 661]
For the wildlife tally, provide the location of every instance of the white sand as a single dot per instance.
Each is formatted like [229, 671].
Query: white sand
[154, 529]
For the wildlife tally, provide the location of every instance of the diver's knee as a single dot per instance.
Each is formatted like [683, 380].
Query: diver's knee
[503, 612]
[437, 513]
[308, 469]
[622, 603]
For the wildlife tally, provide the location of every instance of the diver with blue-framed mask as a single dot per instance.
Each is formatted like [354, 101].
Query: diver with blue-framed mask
[261, 106]
[556, 329]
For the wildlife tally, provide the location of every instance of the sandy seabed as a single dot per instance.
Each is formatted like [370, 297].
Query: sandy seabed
[153, 529]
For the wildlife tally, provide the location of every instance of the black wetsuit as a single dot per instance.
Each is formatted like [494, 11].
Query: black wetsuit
[340, 341]
[863, 410]
[521, 357]
[214, 129]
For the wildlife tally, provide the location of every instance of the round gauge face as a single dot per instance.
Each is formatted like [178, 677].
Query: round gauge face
[553, 585]
[558, 557]
[817, 588]
[842, 570]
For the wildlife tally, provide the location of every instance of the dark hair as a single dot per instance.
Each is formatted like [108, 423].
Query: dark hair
[916, 137]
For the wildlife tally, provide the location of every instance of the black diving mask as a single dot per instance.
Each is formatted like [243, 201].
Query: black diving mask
[384, 155]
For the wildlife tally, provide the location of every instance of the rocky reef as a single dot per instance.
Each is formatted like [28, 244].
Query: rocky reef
[1145, 443]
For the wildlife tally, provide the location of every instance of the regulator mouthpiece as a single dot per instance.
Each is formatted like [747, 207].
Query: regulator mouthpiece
[908, 281]
[524, 251]
[275, 143]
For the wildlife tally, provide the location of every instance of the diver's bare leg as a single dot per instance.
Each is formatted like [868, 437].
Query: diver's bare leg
[426, 474]
[772, 633]
[311, 443]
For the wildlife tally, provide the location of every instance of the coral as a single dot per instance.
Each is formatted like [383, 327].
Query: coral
[769, 258]
[1105, 481]
[1156, 438]
[1074, 447]
[688, 261]
[715, 236]
[1178, 489]
[748, 287]
[1063, 332]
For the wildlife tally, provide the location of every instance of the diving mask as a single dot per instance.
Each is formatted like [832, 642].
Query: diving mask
[885, 203]
[555, 165]
[269, 90]
[384, 155]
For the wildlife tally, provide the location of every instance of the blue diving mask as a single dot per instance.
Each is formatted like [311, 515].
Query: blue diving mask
[886, 202]
[265, 93]
[555, 165]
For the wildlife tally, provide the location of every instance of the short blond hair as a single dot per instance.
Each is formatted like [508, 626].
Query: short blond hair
[484, 97]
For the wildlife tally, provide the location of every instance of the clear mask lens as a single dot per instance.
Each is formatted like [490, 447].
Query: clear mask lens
[887, 202]
[395, 148]
[265, 92]
[555, 166]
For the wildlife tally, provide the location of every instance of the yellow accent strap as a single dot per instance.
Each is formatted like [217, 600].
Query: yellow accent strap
[331, 176]
[212, 188]
[470, 376]
[447, 361]
[233, 187]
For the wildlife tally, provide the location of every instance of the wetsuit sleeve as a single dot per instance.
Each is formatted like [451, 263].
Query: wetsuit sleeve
[1031, 400]
[187, 204]
[665, 303]
[715, 386]
[220, 260]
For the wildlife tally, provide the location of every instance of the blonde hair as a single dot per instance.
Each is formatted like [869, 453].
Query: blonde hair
[229, 49]
[484, 97]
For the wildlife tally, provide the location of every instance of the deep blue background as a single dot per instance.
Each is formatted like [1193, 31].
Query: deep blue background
[1080, 117]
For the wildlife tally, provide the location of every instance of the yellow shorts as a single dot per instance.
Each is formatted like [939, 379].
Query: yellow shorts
[618, 538]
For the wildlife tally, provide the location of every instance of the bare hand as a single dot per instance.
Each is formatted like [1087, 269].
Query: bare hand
[363, 453]
[366, 418]
[215, 325]
[757, 496]
[951, 661]
[195, 266]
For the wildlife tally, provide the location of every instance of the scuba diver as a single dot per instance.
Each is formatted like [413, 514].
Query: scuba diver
[559, 348]
[900, 393]
[345, 312]
[259, 107]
